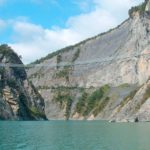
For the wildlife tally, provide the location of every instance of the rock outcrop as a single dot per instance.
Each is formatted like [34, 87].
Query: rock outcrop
[19, 100]
[104, 77]
[147, 8]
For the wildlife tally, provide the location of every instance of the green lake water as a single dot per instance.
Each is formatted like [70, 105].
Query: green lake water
[74, 135]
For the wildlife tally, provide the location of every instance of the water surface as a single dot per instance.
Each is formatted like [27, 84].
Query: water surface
[74, 135]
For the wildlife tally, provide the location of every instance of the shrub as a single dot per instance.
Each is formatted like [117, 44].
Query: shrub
[140, 9]
[81, 103]
[68, 107]
[93, 100]
[64, 99]
[5, 50]
[87, 103]
[58, 58]
[101, 106]
[12, 83]
[22, 98]
[36, 112]
[20, 72]
[1, 70]
[63, 73]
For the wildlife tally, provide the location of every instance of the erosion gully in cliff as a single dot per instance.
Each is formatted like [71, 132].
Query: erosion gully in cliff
[105, 77]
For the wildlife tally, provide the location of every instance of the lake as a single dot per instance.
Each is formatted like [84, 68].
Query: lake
[74, 135]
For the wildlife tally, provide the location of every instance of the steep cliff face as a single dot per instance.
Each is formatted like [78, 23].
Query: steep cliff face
[73, 80]
[134, 107]
[19, 100]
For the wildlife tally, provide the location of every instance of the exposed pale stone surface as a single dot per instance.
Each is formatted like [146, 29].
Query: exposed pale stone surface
[148, 6]
[91, 117]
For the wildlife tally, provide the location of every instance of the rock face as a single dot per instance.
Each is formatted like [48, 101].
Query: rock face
[19, 100]
[147, 8]
[102, 77]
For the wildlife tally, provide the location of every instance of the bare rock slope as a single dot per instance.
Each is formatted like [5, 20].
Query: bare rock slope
[105, 77]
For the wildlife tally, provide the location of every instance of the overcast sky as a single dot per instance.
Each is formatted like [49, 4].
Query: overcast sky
[34, 28]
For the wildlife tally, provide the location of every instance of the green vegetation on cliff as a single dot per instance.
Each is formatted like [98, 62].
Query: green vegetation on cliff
[94, 102]
[64, 73]
[64, 98]
[140, 9]
[81, 105]
[35, 112]
[5, 50]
